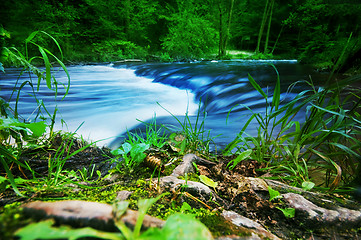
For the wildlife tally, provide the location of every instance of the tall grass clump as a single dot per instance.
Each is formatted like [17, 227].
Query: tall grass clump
[189, 136]
[324, 149]
[196, 137]
[15, 132]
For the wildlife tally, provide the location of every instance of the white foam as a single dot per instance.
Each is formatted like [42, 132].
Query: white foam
[109, 100]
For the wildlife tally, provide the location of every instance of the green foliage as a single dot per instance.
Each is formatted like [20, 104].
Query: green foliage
[113, 50]
[197, 138]
[307, 185]
[164, 57]
[181, 227]
[207, 181]
[15, 56]
[327, 140]
[132, 155]
[44, 230]
[288, 212]
[11, 127]
[20, 132]
[242, 156]
[190, 36]
[58, 160]
[155, 135]
[89, 30]
[32, 133]
[132, 150]
[273, 194]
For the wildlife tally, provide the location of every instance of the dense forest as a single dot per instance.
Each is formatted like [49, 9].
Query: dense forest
[313, 31]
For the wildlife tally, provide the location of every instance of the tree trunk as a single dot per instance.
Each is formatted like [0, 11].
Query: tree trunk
[127, 18]
[220, 30]
[262, 26]
[269, 26]
[228, 28]
[278, 37]
[224, 27]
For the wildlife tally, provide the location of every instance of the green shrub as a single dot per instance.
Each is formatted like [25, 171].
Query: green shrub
[190, 38]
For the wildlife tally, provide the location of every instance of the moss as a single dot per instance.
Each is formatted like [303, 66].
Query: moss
[190, 177]
[11, 219]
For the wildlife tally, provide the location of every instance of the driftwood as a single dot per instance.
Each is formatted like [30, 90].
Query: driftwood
[85, 214]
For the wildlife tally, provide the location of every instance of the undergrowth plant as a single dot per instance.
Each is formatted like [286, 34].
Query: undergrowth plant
[191, 136]
[197, 138]
[31, 131]
[62, 154]
[327, 141]
[137, 142]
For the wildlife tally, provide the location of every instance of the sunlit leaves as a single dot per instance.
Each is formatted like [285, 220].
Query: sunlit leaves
[207, 181]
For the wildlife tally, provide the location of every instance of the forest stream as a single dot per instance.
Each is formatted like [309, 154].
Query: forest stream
[109, 98]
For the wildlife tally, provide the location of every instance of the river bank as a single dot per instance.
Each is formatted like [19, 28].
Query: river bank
[240, 203]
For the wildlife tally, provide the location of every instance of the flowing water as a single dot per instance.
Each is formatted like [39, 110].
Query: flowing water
[106, 100]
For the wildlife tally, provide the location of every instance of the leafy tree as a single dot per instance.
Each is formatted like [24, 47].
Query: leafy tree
[225, 10]
[190, 34]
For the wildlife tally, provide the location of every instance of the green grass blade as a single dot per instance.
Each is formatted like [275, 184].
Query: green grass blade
[346, 149]
[31, 36]
[65, 70]
[277, 91]
[256, 86]
[47, 67]
[9, 156]
[56, 42]
[235, 142]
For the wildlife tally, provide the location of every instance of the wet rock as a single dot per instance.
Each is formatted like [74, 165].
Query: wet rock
[123, 195]
[131, 216]
[186, 166]
[284, 187]
[173, 184]
[257, 184]
[254, 229]
[85, 214]
[337, 216]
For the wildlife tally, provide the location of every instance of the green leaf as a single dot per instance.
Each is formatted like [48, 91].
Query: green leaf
[47, 67]
[143, 206]
[137, 152]
[44, 230]
[242, 156]
[119, 209]
[126, 147]
[37, 128]
[207, 181]
[288, 212]
[256, 86]
[195, 167]
[184, 227]
[277, 92]
[117, 152]
[8, 172]
[31, 36]
[307, 185]
[273, 194]
[185, 207]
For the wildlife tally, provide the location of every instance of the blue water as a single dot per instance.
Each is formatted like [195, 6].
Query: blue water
[106, 100]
